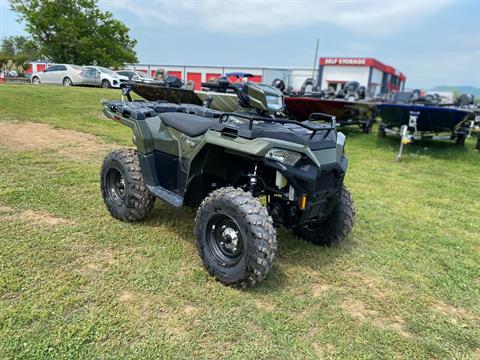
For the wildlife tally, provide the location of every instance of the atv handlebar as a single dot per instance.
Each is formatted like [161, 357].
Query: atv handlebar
[312, 128]
[220, 86]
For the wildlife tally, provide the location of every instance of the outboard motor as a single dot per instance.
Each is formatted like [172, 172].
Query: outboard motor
[330, 93]
[362, 92]
[340, 94]
[465, 100]
[279, 84]
[350, 91]
[173, 82]
[403, 97]
[307, 87]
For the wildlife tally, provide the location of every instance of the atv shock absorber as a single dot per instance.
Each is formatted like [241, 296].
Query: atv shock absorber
[253, 184]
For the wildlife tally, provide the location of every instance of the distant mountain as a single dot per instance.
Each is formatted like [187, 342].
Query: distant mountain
[459, 89]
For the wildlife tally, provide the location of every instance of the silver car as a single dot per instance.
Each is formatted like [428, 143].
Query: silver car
[62, 74]
[105, 78]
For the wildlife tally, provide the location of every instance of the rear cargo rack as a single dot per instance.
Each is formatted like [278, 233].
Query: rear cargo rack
[313, 128]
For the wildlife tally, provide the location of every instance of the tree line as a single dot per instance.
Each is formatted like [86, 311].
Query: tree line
[67, 31]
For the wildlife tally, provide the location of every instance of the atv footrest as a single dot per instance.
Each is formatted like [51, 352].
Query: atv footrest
[166, 195]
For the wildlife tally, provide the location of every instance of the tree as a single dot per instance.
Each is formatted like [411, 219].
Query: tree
[76, 32]
[15, 51]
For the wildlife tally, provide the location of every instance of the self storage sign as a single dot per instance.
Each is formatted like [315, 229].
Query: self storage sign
[344, 61]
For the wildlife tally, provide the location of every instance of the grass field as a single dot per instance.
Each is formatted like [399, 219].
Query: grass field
[75, 283]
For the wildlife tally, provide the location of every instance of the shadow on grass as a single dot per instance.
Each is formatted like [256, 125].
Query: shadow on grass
[292, 251]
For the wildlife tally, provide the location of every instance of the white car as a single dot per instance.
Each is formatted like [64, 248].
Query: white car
[106, 78]
[136, 76]
[61, 74]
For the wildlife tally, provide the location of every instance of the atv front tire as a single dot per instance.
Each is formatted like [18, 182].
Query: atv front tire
[336, 227]
[235, 237]
[123, 189]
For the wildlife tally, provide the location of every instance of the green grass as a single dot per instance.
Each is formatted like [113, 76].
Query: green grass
[405, 284]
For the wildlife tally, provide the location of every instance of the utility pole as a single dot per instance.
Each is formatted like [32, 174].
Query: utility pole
[315, 59]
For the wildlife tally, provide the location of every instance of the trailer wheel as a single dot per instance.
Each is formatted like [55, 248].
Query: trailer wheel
[381, 132]
[235, 237]
[460, 140]
[367, 126]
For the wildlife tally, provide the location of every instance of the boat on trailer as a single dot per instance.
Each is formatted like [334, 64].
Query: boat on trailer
[348, 105]
[346, 112]
[412, 118]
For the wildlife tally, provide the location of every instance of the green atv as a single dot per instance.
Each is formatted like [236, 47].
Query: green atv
[223, 163]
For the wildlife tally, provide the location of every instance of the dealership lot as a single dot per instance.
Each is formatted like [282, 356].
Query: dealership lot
[75, 282]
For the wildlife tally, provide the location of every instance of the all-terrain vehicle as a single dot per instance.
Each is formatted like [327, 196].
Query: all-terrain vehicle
[246, 171]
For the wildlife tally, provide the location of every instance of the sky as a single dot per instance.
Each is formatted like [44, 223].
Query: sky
[433, 42]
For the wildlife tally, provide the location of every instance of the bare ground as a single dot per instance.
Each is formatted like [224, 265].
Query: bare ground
[74, 145]
[35, 217]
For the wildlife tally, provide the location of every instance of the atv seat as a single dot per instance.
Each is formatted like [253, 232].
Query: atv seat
[190, 124]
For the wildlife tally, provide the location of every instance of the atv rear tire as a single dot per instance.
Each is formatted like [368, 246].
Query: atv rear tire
[337, 226]
[235, 237]
[123, 189]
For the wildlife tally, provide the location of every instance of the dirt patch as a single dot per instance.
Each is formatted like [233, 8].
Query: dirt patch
[451, 311]
[75, 145]
[320, 289]
[189, 309]
[34, 217]
[127, 296]
[97, 261]
[264, 305]
[377, 287]
[322, 350]
[358, 310]
[148, 308]
[141, 306]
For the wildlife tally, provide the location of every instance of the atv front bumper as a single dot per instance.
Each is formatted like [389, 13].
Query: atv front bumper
[316, 190]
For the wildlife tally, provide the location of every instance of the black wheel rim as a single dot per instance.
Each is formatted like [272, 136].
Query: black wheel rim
[115, 184]
[225, 240]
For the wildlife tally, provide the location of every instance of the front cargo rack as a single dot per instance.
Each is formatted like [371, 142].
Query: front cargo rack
[311, 127]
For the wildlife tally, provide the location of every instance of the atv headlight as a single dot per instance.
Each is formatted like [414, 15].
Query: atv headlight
[274, 103]
[286, 157]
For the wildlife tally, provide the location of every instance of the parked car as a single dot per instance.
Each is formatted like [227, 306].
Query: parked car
[12, 73]
[61, 74]
[106, 78]
[135, 75]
